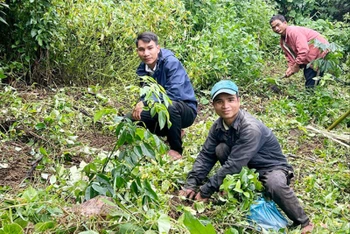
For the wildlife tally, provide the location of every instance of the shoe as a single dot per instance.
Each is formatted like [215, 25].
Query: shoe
[174, 155]
[307, 229]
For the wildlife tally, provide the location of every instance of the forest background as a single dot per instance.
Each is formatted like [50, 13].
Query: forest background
[67, 71]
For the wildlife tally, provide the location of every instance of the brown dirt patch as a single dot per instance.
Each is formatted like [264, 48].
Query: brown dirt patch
[97, 140]
[15, 163]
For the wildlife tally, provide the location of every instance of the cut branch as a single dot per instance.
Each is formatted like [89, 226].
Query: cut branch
[341, 139]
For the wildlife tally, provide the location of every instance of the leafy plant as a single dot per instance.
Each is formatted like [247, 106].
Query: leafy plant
[140, 143]
[242, 188]
[330, 63]
[156, 99]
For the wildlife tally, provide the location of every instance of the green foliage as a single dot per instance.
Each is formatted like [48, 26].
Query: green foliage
[141, 180]
[99, 44]
[34, 206]
[31, 38]
[228, 40]
[157, 101]
[330, 63]
[133, 144]
[324, 9]
[241, 188]
[70, 129]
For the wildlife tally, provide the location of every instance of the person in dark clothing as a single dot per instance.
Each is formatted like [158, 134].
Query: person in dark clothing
[167, 70]
[237, 139]
[296, 46]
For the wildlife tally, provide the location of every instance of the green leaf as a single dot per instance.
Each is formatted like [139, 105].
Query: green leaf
[40, 126]
[23, 223]
[147, 150]
[43, 151]
[30, 194]
[204, 101]
[164, 224]
[162, 119]
[119, 181]
[194, 226]
[99, 189]
[12, 228]
[42, 227]
[231, 231]
[33, 32]
[2, 75]
[129, 228]
[149, 191]
[238, 187]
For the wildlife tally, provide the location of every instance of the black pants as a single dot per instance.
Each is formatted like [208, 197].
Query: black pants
[309, 74]
[181, 116]
[276, 183]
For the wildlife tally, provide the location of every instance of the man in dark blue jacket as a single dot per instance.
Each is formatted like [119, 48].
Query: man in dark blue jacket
[237, 139]
[167, 70]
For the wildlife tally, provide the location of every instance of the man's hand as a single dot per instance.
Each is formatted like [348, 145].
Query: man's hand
[136, 113]
[291, 70]
[200, 198]
[188, 193]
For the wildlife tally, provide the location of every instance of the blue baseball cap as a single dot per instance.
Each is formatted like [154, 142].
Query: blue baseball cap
[223, 86]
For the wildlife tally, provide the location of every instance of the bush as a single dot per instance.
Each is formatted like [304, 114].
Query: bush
[99, 46]
[228, 40]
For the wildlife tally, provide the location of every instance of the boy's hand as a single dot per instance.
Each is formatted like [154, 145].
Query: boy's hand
[188, 193]
[136, 113]
[200, 198]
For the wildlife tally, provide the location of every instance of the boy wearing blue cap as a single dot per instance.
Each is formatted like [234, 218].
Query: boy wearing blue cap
[238, 139]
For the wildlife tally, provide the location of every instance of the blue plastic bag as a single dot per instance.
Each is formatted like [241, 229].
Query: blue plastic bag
[266, 215]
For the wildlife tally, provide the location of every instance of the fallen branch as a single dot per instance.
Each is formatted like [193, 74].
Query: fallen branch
[343, 140]
[302, 157]
[84, 112]
[34, 165]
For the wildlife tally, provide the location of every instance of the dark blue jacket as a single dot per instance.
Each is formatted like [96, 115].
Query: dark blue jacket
[252, 144]
[172, 76]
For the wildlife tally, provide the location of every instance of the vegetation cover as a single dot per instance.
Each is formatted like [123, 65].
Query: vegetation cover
[68, 78]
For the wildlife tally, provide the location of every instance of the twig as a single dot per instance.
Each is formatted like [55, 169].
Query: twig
[34, 165]
[84, 112]
[304, 157]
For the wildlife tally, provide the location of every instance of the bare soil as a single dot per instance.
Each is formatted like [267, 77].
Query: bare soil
[15, 163]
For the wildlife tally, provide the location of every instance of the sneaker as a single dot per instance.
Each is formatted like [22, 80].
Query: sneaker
[174, 155]
[307, 229]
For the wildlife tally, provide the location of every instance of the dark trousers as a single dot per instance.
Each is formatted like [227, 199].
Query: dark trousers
[181, 116]
[309, 74]
[277, 188]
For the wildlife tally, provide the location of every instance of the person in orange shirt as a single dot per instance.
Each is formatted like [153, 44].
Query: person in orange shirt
[295, 43]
